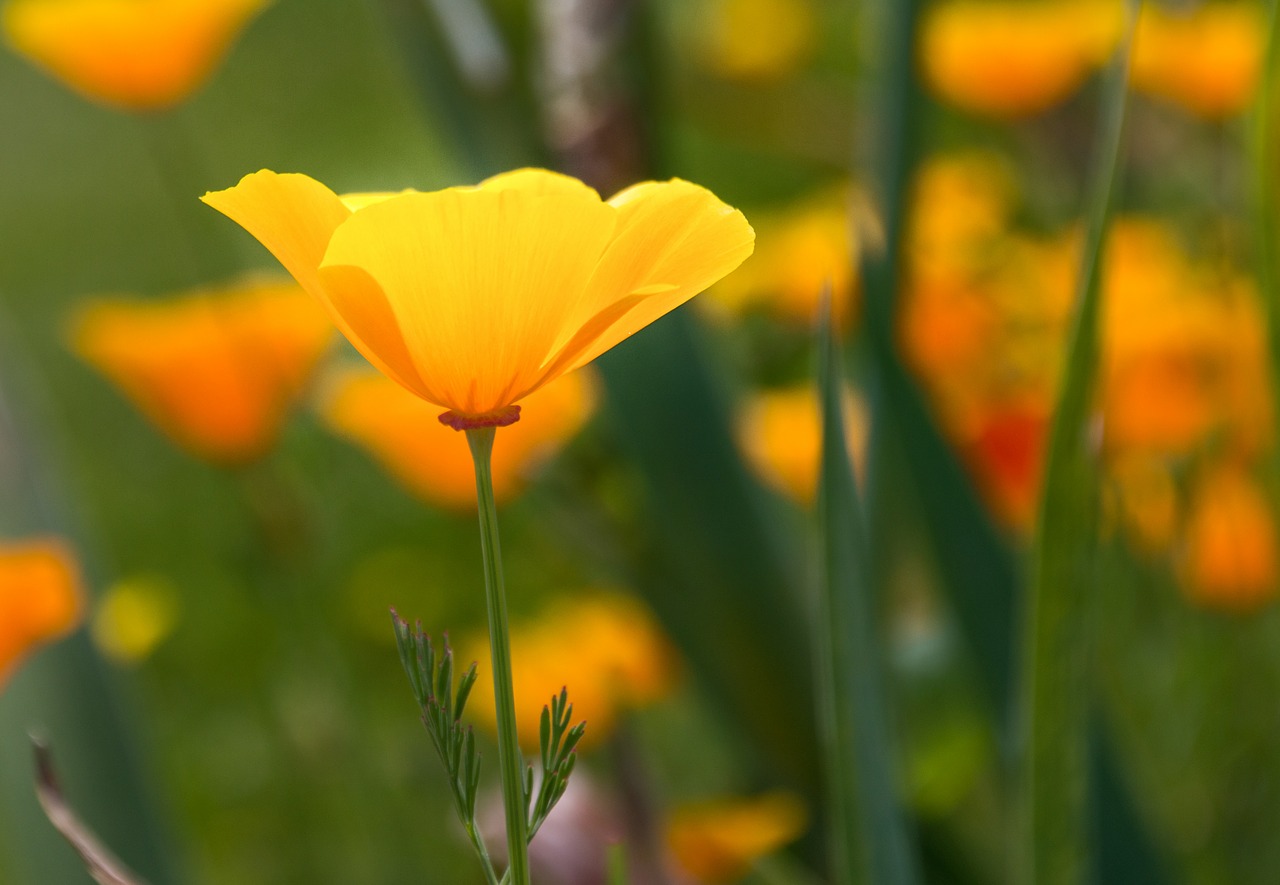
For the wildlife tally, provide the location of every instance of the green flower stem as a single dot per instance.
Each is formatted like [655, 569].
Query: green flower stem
[509, 759]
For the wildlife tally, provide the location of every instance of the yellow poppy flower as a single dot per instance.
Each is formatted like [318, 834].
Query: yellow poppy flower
[40, 597]
[720, 841]
[216, 370]
[474, 297]
[138, 54]
[1013, 59]
[403, 433]
[1207, 60]
[607, 650]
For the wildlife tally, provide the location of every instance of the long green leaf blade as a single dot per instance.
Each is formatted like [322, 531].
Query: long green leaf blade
[863, 798]
[981, 573]
[1263, 146]
[1061, 607]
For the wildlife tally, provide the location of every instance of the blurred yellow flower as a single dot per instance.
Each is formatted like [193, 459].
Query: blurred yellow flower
[403, 434]
[959, 203]
[215, 369]
[781, 433]
[1207, 59]
[801, 250]
[133, 617]
[607, 649]
[1231, 553]
[474, 297]
[1015, 58]
[138, 54]
[720, 841]
[758, 39]
[40, 597]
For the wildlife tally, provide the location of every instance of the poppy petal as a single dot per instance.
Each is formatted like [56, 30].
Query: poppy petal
[294, 216]
[673, 240]
[480, 280]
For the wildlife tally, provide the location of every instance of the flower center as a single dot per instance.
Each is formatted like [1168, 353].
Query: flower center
[467, 421]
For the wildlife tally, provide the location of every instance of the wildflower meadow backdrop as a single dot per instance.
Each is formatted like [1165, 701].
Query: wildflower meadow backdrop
[889, 483]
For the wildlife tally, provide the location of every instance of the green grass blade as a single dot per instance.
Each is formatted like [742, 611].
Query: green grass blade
[1263, 147]
[1061, 606]
[982, 576]
[854, 718]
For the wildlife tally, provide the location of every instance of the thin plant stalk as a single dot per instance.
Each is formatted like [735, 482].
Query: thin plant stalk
[510, 761]
[1262, 149]
[870, 838]
[1062, 605]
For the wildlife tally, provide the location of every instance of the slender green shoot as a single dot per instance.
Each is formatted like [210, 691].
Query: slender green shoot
[1263, 156]
[431, 677]
[1061, 607]
[868, 830]
[558, 741]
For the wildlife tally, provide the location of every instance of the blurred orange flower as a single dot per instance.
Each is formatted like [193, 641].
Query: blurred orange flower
[607, 649]
[758, 39]
[781, 433]
[1010, 58]
[474, 297]
[215, 369]
[1207, 59]
[720, 841]
[403, 433]
[40, 597]
[1158, 336]
[982, 322]
[1184, 349]
[1007, 456]
[138, 54]
[1231, 553]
